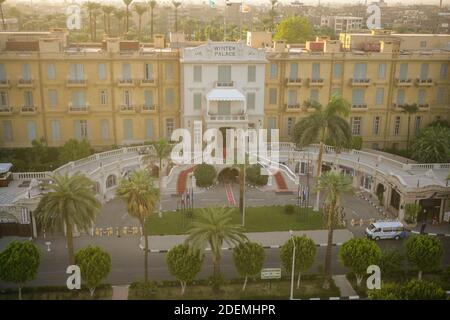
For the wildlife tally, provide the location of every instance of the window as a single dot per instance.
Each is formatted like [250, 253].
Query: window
[356, 126]
[149, 129]
[169, 70]
[169, 128]
[314, 95]
[403, 74]
[376, 126]
[127, 129]
[271, 123]
[76, 71]
[31, 130]
[51, 72]
[382, 71]
[148, 98]
[2, 72]
[224, 108]
[103, 97]
[126, 71]
[111, 181]
[81, 129]
[397, 126]
[52, 98]
[169, 95]
[358, 97]
[379, 96]
[251, 73]
[224, 74]
[26, 72]
[127, 98]
[25, 215]
[423, 44]
[337, 70]
[197, 73]
[273, 93]
[440, 95]
[7, 131]
[400, 97]
[292, 97]
[289, 125]
[197, 101]
[104, 127]
[443, 74]
[148, 71]
[251, 103]
[78, 99]
[28, 98]
[4, 99]
[315, 72]
[101, 71]
[273, 71]
[360, 71]
[293, 71]
[417, 124]
[421, 97]
[56, 130]
[424, 71]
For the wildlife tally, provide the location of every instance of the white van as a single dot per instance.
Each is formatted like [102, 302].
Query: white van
[386, 230]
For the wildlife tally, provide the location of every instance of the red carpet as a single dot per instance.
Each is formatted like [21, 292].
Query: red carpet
[182, 179]
[280, 181]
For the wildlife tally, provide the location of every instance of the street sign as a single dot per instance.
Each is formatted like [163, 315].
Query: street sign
[271, 273]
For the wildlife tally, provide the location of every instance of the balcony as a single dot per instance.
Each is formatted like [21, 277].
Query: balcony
[125, 82]
[358, 107]
[399, 105]
[148, 82]
[5, 83]
[6, 110]
[294, 81]
[28, 110]
[403, 82]
[224, 84]
[292, 106]
[25, 83]
[147, 108]
[360, 82]
[76, 83]
[315, 82]
[127, 108]
[78, 109]
[423, 105]
[424, 82]
[227, 118]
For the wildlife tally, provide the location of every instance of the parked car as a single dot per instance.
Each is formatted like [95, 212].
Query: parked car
[386, 230]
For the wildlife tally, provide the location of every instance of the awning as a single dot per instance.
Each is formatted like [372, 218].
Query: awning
[5, 167]
[225, 95]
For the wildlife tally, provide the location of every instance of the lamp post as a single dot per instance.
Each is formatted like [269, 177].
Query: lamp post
[293, 266]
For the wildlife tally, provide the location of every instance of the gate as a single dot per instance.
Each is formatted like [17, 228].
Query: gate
[15, 229]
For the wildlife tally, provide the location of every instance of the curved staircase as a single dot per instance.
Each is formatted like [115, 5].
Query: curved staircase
[182, 179]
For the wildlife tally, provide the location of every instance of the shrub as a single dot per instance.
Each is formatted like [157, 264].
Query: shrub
[254, 177]
[205, 175]
[142, 290]
[289, 209]
[422, 290]
[391, 262]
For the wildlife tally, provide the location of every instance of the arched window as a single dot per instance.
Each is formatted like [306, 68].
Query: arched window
[96, 187]
[110, 181]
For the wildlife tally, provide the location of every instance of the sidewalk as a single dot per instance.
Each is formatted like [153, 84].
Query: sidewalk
[266, 239]
[344, 286]
[441, 229]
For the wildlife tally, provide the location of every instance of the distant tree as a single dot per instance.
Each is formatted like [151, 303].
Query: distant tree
[249, 259]
[273, 13]
[127, 15]
[140, 9]
[74, 150]
[410, 110]
[95, 265]
[326, 32]
[152, 4]
[294, 29]
[91, 7]
[107, 11]
[432, 145]
[1, 14]
[424, 252]
[358, 254]
[176, 4]
[305, 253]
[119, 15]
[184, 264]
[19, 263]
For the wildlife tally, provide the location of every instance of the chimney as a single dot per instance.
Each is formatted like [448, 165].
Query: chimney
[279, 46]
[159, 41]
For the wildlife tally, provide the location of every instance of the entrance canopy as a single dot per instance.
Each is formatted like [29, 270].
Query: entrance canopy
[229, 94]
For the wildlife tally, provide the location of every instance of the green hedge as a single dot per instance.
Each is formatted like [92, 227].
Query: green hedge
[254, 177]
[205, 175]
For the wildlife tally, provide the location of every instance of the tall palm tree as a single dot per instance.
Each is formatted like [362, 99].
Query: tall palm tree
[107, 11]
[273, 13]
[176, 4]
[68, 203]
[127, 16]
[325, 124]
[91, 6]
[162, 149]
[140, 9]
[334, 184]
[409, 109]
[119, 15]
[152, 4]
[140, 197]
[95, 13]
[1, 14]
[213, 228]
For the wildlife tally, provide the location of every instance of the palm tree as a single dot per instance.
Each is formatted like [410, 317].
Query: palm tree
[273, 13]
[95, 13]
[162, 149]
[107, 11]
[91, 6]
[119, 15]
[1, 14]
[176, 4]
[68, 203]
[140, 9]
[127, 16]
[213, 228]
[325, 124]
[409, 109]
[140, 197]
[334, 184]
[152, 7]
[432, 145]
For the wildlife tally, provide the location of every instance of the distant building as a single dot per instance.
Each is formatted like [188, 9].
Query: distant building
[11, 24]
[342, 23]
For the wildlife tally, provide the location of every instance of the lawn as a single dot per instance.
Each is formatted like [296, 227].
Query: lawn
[310, 287]
[258, 219]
